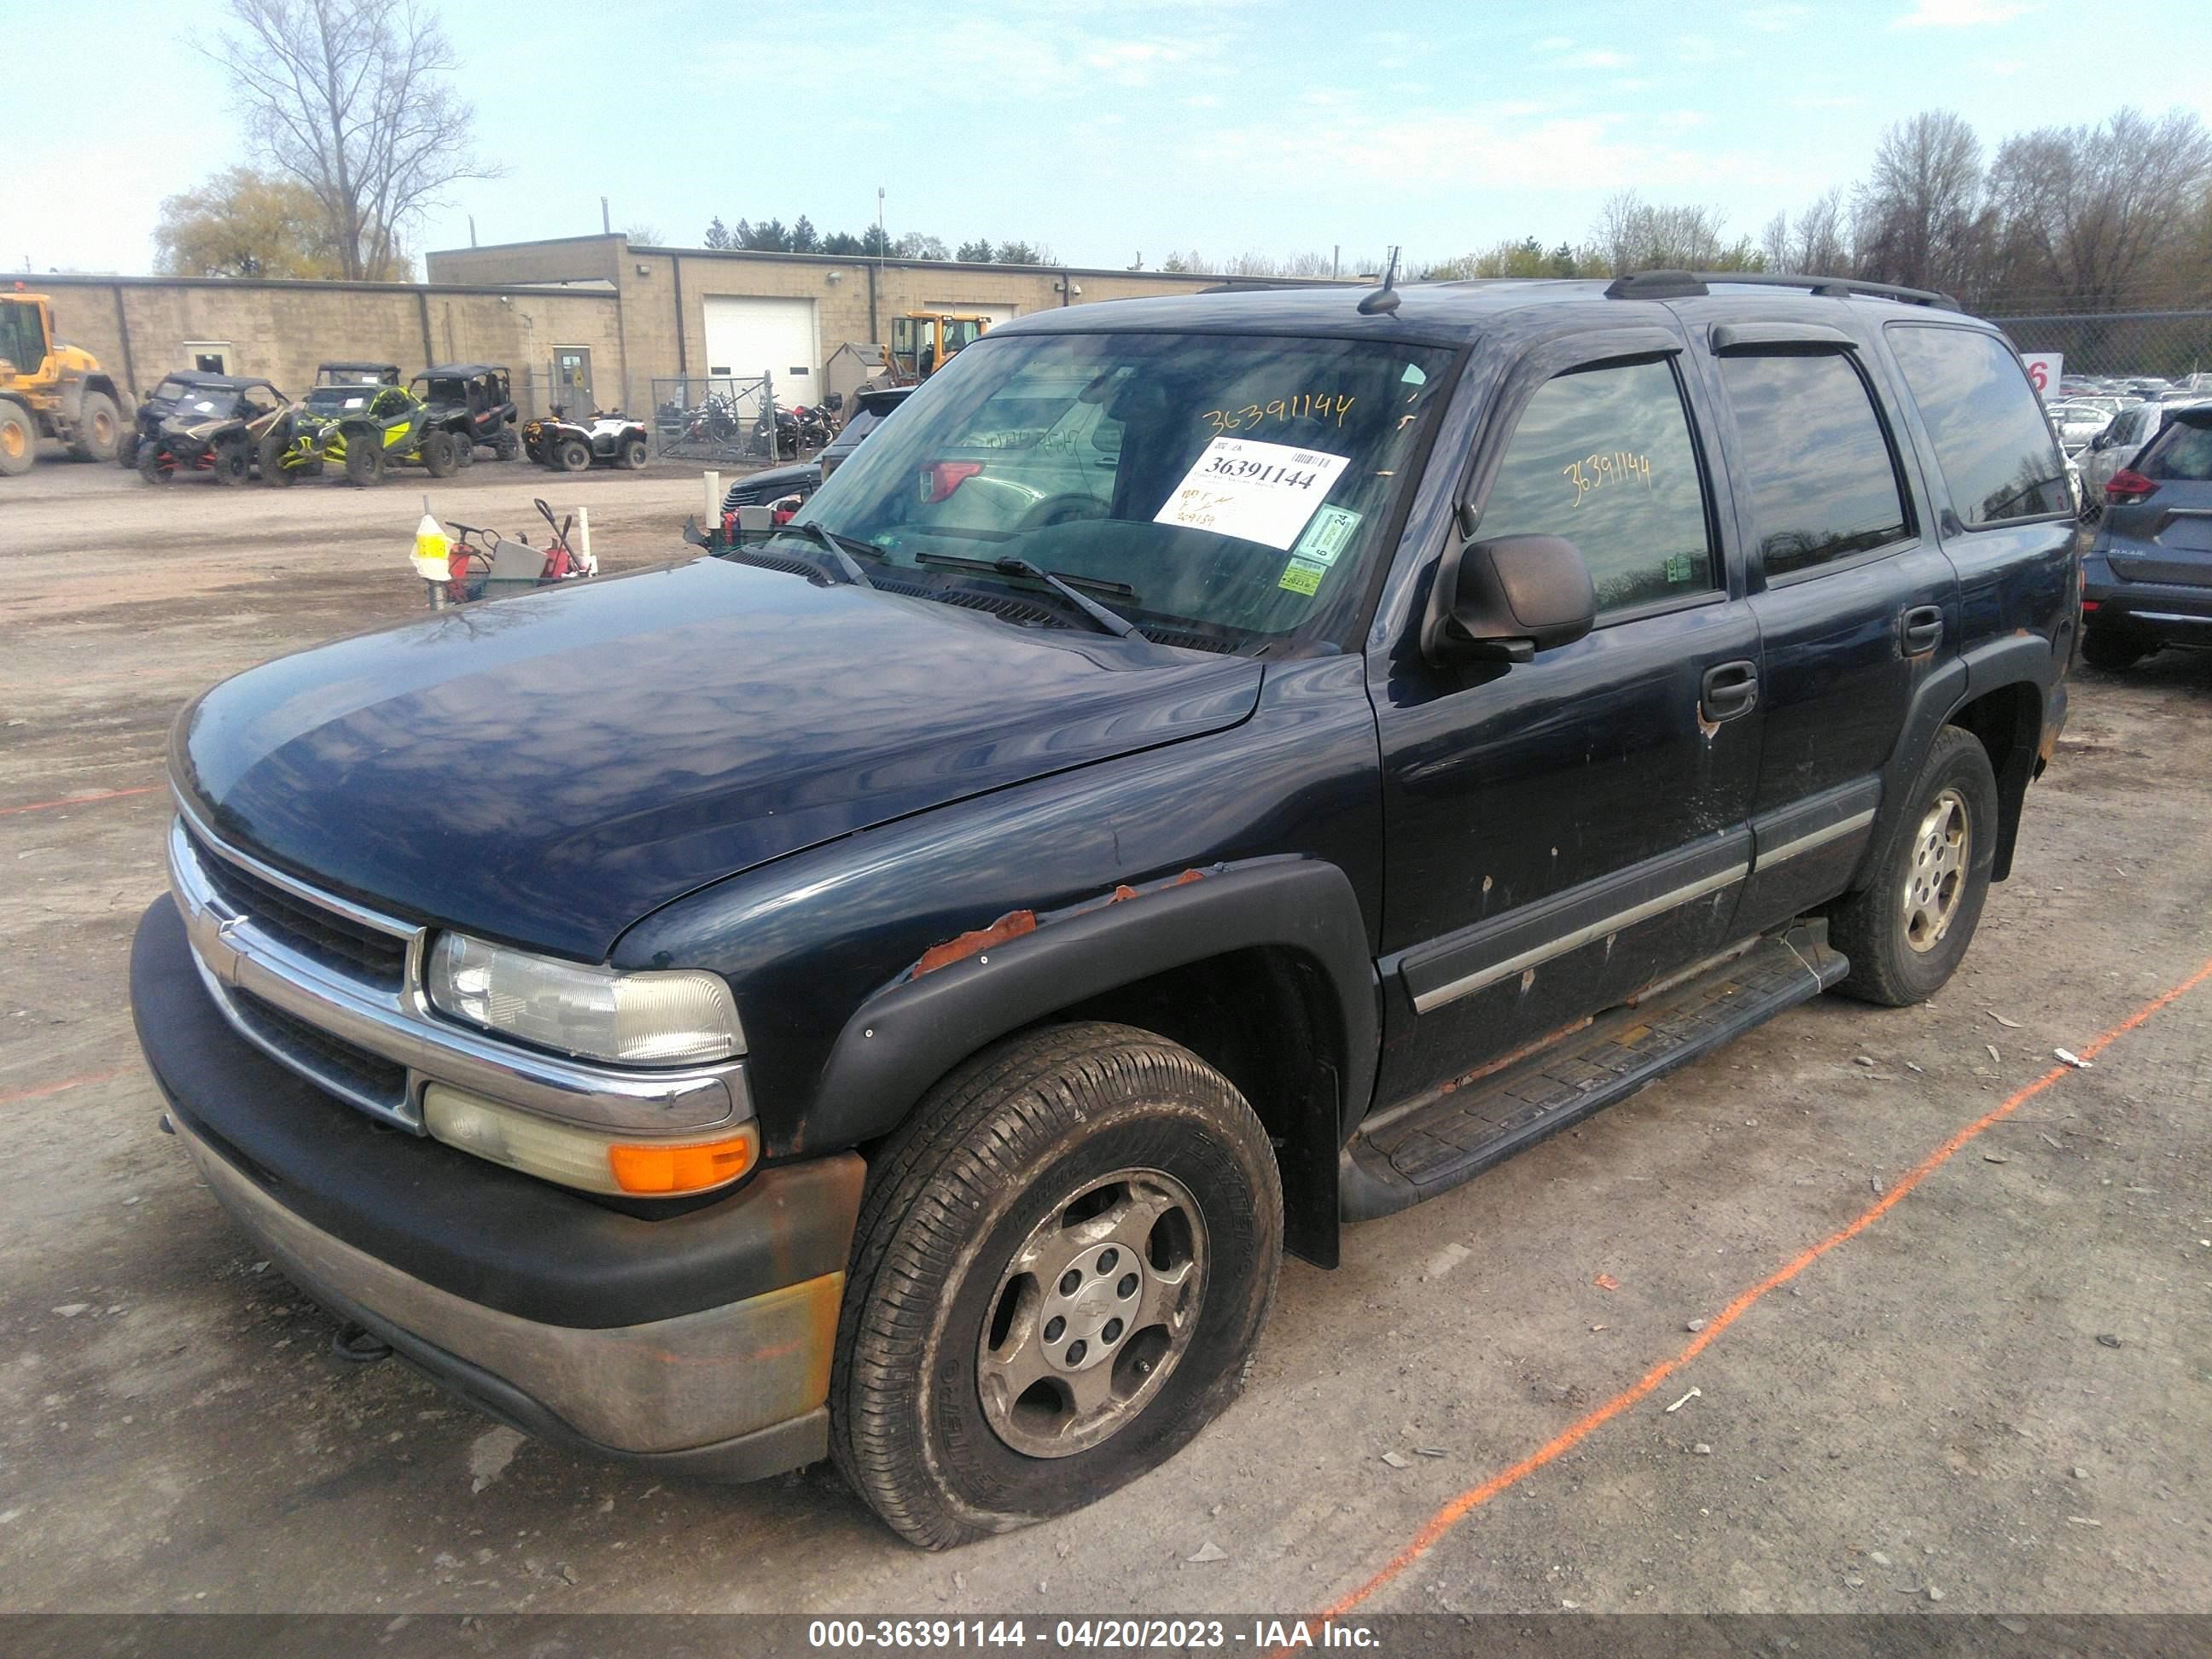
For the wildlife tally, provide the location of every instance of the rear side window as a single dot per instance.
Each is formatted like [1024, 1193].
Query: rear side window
[1603, 457]
[1812, 456]
[2183, 453]
[1995, 449]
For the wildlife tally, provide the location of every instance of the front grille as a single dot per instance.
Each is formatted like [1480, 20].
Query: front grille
[337, 942]
[330, 1058]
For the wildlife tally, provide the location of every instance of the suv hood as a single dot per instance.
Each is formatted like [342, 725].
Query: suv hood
[547, 770]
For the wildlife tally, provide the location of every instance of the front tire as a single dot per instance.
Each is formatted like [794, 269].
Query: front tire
[1059, 1271]
[274, 473]
[1905, 932]
[126, 451]
[633, 454]
[155, 464]
[364, 461]
[98, 427]
[438, 454]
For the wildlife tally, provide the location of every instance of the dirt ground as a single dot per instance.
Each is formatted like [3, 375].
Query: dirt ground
[1993, 1398]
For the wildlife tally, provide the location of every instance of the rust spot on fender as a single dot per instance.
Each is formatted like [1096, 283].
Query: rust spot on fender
[1186, 878]
[1012, 925]
[1124, 891]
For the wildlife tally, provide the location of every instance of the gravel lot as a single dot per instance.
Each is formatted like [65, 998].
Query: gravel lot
[1994, 1397]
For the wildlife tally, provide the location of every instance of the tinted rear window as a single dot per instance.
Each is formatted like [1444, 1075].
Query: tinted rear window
[1997, 451]
[1814, 458]
[2183, 453]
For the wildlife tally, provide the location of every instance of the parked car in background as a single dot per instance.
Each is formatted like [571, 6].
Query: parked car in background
[2147, 579]
[2135, 425]
[867, 410]
[2077, 422]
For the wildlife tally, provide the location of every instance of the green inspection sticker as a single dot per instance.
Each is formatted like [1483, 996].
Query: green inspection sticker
[1329, 535]
[1301, 576]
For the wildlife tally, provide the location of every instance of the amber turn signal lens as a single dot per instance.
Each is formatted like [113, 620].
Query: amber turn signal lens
[649, 1171]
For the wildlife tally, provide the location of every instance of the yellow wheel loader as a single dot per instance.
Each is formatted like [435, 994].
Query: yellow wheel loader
[50, 389]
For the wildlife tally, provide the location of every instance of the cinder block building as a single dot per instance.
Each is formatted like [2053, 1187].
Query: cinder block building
[584, 321]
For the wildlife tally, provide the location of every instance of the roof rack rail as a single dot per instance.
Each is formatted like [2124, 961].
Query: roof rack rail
[1691, 284]
[1837, 288]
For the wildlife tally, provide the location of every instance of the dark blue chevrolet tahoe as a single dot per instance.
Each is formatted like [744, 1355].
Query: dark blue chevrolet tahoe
[1208, 770]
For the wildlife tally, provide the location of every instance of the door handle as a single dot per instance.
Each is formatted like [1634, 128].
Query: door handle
[1921, 629]
[1730, 688]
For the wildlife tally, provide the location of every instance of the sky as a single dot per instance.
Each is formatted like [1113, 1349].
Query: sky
[1118, 128]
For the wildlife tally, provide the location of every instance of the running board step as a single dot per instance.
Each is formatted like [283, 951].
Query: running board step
[1453, 1136]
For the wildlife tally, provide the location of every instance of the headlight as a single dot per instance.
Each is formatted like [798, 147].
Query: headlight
[658, 1019]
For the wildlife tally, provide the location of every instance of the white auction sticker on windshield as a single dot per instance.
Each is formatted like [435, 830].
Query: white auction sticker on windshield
[1263, 493]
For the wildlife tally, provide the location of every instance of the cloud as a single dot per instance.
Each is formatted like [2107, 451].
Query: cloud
[1554, 43]
[1773, 20]
[1961, 14]
[1599, 60]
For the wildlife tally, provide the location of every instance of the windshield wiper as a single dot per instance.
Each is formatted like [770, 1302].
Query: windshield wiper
[833, 545]
[1111, 621]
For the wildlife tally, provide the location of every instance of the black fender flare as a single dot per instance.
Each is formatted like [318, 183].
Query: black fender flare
[907, 1036]
[2017, 659]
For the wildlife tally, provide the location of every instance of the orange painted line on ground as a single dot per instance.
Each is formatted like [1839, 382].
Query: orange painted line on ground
[78, 800]
[1579, 1431]
[45, 1089]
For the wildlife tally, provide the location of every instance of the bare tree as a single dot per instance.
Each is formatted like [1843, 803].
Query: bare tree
[1918, 210]
[352, 98]
[1818, 244]
[2095, 218]
[1634, 235]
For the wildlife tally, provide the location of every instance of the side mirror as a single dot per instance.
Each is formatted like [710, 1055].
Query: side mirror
[1505, 599]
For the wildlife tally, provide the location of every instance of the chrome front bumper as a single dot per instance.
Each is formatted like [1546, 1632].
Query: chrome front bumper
[683, 1390]
[237, 952]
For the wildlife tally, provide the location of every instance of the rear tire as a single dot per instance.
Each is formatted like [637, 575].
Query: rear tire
[981, 1258]
[364, 461]
[19, 440]
[633, 454]
[97, 427]
[232, 466]
[573, 455]
[2113, 650]
[507, 446]
[1905, 932]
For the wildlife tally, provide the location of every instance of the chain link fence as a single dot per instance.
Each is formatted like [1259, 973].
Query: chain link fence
[2173, 346]
[700, 417]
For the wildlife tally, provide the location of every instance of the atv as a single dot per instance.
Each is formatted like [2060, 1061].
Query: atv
[158, 405]
[364, 428]
[212, 423]
[609, 439]
[471, 402]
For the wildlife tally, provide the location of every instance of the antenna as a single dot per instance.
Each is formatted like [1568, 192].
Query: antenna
[1384, 300]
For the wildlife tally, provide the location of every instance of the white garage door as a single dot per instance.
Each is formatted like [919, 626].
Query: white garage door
[749, 337]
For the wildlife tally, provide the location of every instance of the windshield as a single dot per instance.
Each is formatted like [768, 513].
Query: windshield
[1236, 485]
[445, 389]
[337, 400]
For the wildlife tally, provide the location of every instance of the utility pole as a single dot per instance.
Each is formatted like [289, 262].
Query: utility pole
[472, 230]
